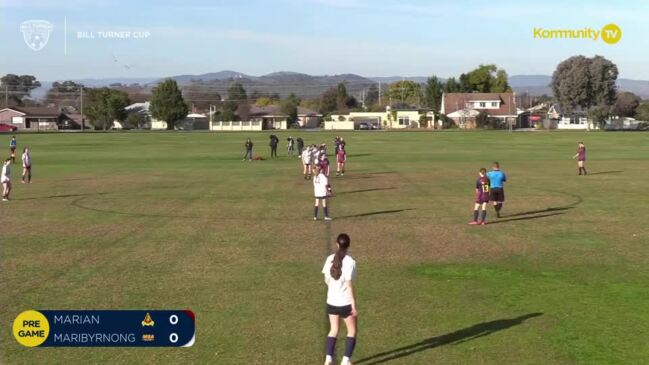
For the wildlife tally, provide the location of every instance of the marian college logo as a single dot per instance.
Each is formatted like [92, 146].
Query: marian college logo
[36, 33]
[610, 33]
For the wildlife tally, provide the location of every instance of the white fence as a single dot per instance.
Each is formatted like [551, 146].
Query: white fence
[236, 126]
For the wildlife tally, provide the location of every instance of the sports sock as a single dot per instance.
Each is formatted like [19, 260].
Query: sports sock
[326, 211]
[350, 343]
[475, 215]
[585, 173]
[330, 347]
[315, 211]
[499, 206]
[484, 215]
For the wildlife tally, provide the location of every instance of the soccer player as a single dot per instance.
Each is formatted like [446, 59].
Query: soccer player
[481, 198]
[341, 158]
[497, 179]
[27, 166]
[339, 274]
[5, 179]
[581, 157]
[306, 163]
[314, 158]
[248, 155]
[12, 148]
[322, 192]
[290, 145]
[324, 164]
[274, 141]
[300, 146]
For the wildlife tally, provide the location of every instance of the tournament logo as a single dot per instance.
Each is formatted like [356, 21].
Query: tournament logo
[148, 337]
[36, 33]
[148, 321]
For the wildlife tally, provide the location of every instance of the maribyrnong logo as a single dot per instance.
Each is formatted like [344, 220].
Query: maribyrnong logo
[36, 33]
[610, 33]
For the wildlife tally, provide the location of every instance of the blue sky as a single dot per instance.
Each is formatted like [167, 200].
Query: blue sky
[366, 37]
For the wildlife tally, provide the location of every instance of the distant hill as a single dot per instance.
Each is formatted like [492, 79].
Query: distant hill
[310, 86]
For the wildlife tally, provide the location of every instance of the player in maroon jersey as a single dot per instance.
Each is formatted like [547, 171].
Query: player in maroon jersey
[341, 159]
[481, 198]
[581, 157]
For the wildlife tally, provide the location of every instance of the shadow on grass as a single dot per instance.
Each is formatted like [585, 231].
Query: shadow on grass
[366, 175]
[563, 208]
[525, 218]
[368, 214]
[61, 196]
[606, 172]
[364, 190]
[457, 337]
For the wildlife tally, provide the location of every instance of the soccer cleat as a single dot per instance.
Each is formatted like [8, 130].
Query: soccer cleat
[483, 223]
[5, 199]
[473, 223]
[328, 219]
[315, 218]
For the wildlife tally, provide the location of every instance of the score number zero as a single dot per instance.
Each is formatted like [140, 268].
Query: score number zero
[173, 337]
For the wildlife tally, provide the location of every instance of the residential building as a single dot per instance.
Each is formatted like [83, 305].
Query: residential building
[463, 108]
[391, 118]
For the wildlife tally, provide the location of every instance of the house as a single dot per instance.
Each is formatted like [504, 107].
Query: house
[463, 108]
[144, 108]
[267, 117]
[391, 118]
[31, 118]
[578, 120]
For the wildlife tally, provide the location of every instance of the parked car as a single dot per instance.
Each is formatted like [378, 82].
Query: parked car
[7, 128]
[375, 126]
[363, 126]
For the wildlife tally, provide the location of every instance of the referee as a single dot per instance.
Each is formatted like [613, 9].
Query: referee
[497, 180]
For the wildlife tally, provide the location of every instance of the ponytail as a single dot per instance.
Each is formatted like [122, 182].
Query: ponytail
[337, 265]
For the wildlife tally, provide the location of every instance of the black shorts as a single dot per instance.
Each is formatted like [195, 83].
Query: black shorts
[344, 311]
[497, 195]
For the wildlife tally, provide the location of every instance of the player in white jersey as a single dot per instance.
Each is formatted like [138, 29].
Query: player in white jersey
[27, 166]
[5, 179]
[339, 274]
[322, 192]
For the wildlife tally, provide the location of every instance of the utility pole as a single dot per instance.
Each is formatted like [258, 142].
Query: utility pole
[379, 92]
[81, 107]
[6, 96]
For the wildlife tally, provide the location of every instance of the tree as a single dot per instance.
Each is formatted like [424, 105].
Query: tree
[237, 93]
[136, 120]
[167, 103]
[328, 101]
[289, 107]
[581, 83]
[18, 87]
[263, 101]
[625, 104]
[201, 95]
[642, 112]
[433, 93]
[104, 106]
[451, 85]
[598, 114]
[406, 92]
[64, 93]
[482, 119]
[485, 79]
[372, 96]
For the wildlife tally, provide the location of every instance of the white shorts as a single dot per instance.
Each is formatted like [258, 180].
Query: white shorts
[4, 180]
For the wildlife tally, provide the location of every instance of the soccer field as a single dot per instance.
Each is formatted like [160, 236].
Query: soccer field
[178, 221]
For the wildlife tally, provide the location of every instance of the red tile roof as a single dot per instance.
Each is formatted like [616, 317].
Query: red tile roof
[457, 101]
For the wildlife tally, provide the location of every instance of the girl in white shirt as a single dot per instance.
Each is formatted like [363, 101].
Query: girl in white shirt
[321, 191]
[5, 179]
[27, 166]
[339, 273]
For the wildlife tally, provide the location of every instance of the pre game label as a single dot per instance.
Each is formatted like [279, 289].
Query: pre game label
[129, 328]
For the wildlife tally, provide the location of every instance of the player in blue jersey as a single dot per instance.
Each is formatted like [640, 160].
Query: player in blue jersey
[497, 180]
[481, 199]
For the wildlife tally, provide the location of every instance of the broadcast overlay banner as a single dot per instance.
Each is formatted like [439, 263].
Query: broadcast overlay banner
[105, 328]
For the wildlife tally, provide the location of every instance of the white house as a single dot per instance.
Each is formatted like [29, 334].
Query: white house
[462, 108]
[388, 119]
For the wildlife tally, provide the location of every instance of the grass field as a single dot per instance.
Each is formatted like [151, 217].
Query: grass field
[177, 220]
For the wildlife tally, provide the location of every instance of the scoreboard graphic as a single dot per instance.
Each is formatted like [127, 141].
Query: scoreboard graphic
[105, 328]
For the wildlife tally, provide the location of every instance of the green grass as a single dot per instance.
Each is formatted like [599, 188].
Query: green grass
[177, 220]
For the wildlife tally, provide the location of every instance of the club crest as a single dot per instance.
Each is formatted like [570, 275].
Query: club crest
[36, 33]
